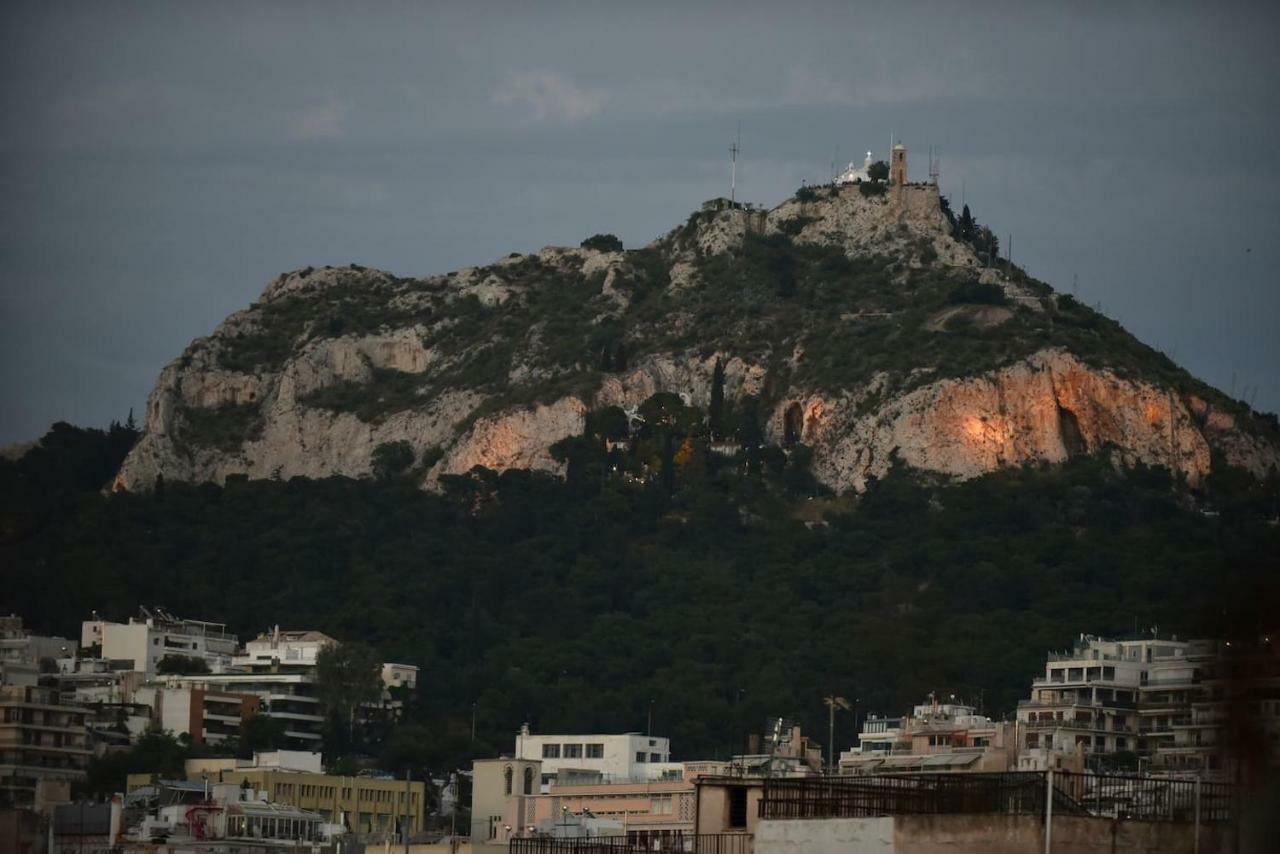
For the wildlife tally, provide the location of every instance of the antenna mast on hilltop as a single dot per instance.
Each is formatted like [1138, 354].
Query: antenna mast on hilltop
[935, 161]
[733, 173]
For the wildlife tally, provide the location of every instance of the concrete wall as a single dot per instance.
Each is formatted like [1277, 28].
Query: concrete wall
[825, 836]
[985, 834]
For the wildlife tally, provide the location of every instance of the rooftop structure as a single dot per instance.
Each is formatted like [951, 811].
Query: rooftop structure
[625, 757]
[143, 642]
[935, 737]
[283, 651]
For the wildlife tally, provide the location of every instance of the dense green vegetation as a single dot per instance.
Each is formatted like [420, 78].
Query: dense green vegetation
[224, 427]
[722, 593]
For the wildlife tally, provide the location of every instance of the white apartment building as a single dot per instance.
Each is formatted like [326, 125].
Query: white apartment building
[283, 651]
[141, 643]
[1107, 697]
[608, 758]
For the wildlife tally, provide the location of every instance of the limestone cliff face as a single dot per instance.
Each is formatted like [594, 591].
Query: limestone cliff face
[1045, 409]
[470, 369]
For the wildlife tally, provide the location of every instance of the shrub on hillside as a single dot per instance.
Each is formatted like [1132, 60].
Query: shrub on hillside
[603, 243]
[987, 293]
[391, 458]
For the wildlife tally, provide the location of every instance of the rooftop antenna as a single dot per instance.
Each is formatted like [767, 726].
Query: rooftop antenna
[733, 174]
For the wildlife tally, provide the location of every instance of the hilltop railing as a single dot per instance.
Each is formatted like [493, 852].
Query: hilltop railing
[1013, 793]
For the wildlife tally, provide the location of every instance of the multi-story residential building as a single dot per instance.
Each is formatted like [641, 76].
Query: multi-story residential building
[288, 697]
[1130, 697]
[40, 740]
[297, 652]
[935, 737]
[206, 715]
[143, 642]
[23, 655]
[625, 757]
[279, 651]
[1086, 702]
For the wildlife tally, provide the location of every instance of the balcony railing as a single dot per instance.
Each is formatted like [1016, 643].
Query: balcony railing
[655, 843]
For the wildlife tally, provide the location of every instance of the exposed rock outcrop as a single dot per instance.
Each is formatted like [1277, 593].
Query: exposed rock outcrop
[331, 363]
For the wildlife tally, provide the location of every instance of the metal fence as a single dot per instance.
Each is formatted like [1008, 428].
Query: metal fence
[667, 843]
[1014, 793]
[914, 794]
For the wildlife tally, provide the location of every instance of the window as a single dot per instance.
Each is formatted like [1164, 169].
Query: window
[655, 757]
[738, 807]
[640, 755]
[550, 751]
[506, 778]
[528, 781]
[595, 751]
[573, 751]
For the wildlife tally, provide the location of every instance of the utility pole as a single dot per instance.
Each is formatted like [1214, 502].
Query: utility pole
[408, 794]
[832, 703]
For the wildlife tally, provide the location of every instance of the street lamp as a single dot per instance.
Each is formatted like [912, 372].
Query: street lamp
[833, 702]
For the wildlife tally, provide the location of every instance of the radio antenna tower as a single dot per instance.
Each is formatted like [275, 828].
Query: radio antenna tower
[733, 173]
[935, 161]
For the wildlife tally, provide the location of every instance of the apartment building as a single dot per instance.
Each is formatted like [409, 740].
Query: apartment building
[279, 651]
[144, 641]
[1143, 698]
[288, 697]
[23, 655]
[208, 715]
[625, 757]
[936, 737]
[40, 740]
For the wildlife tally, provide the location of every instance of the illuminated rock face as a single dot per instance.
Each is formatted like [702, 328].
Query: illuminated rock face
[1044, 409]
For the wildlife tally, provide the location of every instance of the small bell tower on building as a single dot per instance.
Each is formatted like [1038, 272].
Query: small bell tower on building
[898, 165]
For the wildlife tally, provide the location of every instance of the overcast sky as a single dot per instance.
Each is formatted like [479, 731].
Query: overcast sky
[160, 162]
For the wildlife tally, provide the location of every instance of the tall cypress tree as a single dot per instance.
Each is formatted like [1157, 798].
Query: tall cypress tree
[715, 410]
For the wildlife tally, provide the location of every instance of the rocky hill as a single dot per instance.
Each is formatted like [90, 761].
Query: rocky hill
[861, 322]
